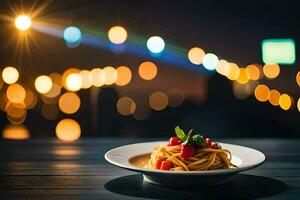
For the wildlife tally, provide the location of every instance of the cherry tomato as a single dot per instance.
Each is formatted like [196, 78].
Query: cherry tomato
[187, 151]
[214, 146]
[208, 142]
[158, 163]
[165, 165]
[174, 141]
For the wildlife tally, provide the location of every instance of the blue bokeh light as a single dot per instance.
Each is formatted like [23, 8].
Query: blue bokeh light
[72, 34]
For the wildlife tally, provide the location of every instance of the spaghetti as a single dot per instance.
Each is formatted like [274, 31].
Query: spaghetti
[193, 155]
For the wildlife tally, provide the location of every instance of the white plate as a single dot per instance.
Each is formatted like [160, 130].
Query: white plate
[245, 158]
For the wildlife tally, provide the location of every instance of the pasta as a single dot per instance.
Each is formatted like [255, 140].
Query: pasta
[189, 153]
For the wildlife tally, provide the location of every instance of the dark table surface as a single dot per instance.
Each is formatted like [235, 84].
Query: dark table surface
[49, 169]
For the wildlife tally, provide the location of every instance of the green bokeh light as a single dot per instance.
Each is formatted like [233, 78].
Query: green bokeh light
[280, 51]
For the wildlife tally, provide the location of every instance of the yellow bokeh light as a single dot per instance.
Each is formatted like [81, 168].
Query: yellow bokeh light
[16, 93]
[50, 112]
[68, 130]
[124, 76]
[73, 82]
[110, 75]
[223, 67]
[43, 84]
[271, 70]
[67, 73]
[243, 76]
[274, 97]
[97, 77]
[69, 103]
[298, 78]
[147, 70]
[196, 55]
[126, 106]
[10, 75]
[87, 79]
[30, 99]
[253, 71]
[175, 97]
[298, 104]
[23, 22]
[117, 34]
[15, 132]
[234, 71]
[158, 101]
[262, 93]
[285, 101]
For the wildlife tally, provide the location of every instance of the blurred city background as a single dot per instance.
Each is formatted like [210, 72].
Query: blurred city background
[72, 69]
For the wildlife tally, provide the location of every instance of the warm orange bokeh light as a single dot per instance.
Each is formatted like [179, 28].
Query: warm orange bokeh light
[66, 74]
[68, 130]
[196, 55]
[223, 67]
[298, 78]
[117, 34]
[274, 97]
[56, 79]
[69, 103]
[175, 97]
[43, 84]
[97, 77]
[124, 76]
[234, 71]
[285, 101]
[253, 71]
[271, 70]
[16, 132]
[87, 79]
[16, 93]
[73, 82]
[16, 113]
[126, 106]
[110, 75]
[262, 93]
[10, 75]
[243, 76]
[158, 101]
[147, 70]
[30, 99]
[54, 91]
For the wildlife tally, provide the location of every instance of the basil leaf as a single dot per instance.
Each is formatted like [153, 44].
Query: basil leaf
[198, 139]
[189, 139]
[180, 133]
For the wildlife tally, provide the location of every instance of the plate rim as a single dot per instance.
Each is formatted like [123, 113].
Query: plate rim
[199, 173]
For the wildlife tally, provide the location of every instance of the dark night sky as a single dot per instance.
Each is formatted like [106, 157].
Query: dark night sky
[231, 29]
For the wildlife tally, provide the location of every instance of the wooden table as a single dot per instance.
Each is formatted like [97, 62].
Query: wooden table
[48, 169]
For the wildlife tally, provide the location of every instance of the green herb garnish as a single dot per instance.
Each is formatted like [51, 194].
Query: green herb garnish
[180, 134]
[191, 138]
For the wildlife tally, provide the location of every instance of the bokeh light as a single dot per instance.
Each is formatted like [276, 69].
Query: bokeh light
[126, 106]
[50, 112]
[72, 34]
[66, 73]
[16, 93]
[69, 103]
[54, 91]
[43, 84]
[110, 75]
[74, 82]
[234, 71]
[223, 67]
[147, 70]
[16, 113]
[49, 100]
[271, 70]
[10, 75]
[274, 97]
[124, 76]
[253, 71]
[175, 97]
[243, 77]
[98, 78]
[196, 55]
[155, 44]
[117, 34]
[30, 99]
[23, 22]
[262, 93]
[158, 101]
[87, 79]
[56, 79]
[298, 78]
[285, 101]
[210, 61]
[298, 104]
[15, 132]
[68, 130]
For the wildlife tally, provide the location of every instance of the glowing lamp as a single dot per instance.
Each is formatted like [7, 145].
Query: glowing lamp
[155, 44]
[23, 22]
